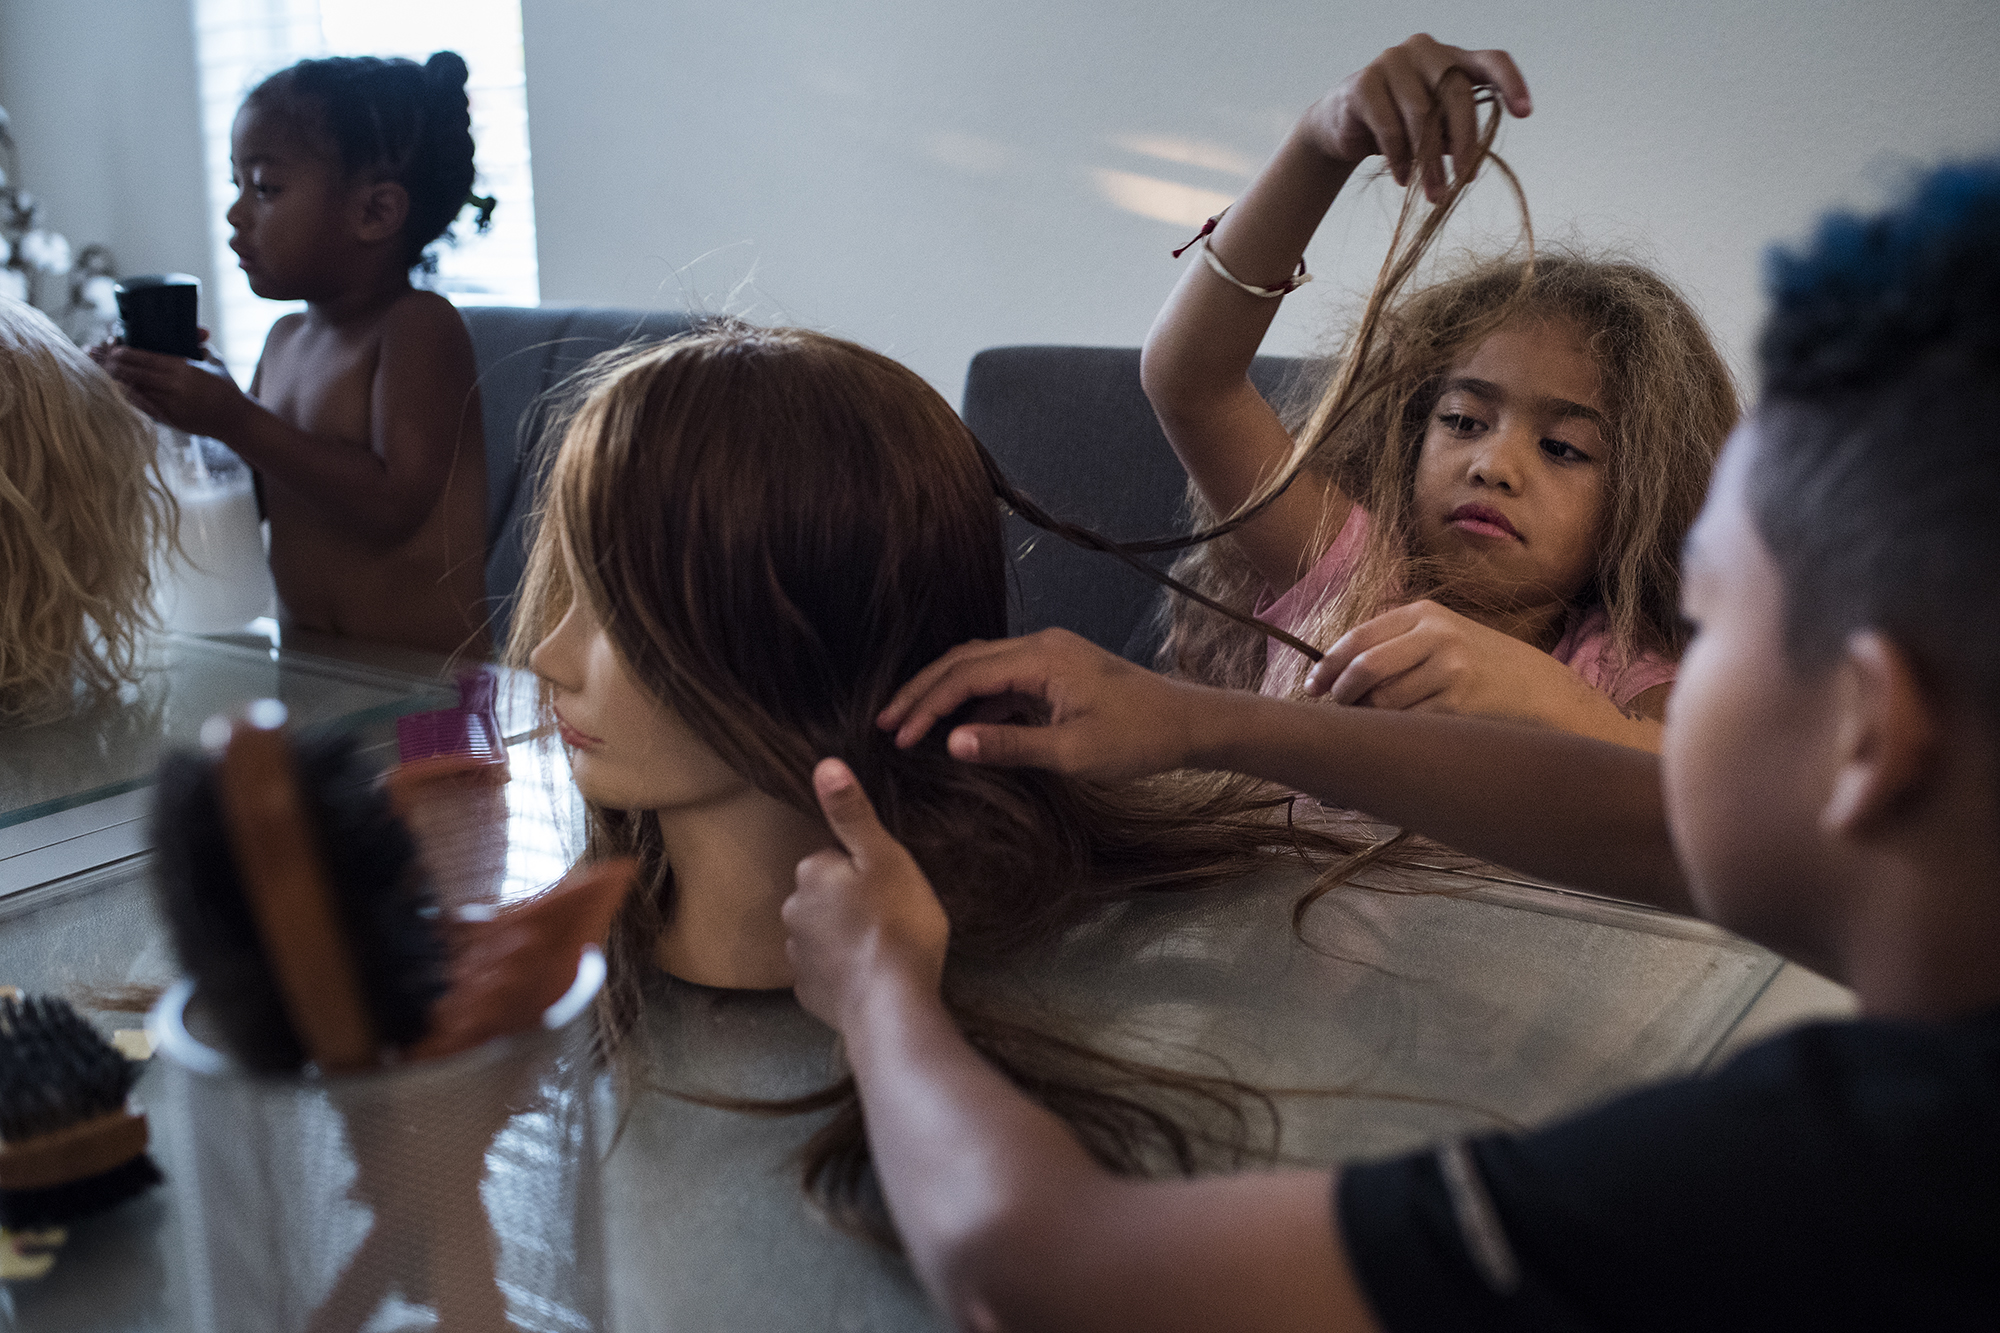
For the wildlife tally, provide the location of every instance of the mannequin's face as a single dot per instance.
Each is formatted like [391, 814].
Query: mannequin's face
[627, 749]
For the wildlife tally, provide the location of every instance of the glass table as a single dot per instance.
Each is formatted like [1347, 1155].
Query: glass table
[76, 911]
[74, 793]
[1394, 1018]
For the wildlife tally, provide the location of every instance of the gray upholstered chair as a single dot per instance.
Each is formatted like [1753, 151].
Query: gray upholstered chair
[1072, 428]
[522, 354]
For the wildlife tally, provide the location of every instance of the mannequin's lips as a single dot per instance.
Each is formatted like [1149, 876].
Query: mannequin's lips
[573, 738]
[1482, 521]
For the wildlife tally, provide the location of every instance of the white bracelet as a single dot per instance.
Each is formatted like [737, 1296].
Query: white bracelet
[1285, 288]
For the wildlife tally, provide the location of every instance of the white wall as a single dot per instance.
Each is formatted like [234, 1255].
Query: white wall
[102, 94]
[923, 176]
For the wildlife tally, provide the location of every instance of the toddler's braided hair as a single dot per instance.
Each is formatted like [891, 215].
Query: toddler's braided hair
[392, 119]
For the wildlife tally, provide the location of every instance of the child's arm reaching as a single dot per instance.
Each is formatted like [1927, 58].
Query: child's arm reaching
[1577, 811]
[1008, 1222]
[1197, 357]
[383, 485]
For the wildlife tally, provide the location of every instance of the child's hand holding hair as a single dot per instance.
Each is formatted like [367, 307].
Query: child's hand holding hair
[1109, 719]
[863, 915]
[1382, 109]
[1105, 718]
[1429, 658]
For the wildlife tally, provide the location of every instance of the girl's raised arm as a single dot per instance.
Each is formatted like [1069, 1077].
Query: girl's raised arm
[1197, 358]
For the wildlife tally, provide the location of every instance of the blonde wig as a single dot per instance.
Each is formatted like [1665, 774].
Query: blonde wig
[81, 514]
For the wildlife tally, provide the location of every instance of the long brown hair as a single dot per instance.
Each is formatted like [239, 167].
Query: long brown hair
[1671, 403]
[778, 528]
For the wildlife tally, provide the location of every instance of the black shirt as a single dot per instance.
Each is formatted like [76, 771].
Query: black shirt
[1843, 1175]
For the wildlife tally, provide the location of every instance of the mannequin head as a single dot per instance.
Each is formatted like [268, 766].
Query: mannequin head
[774, 529]
[770, 530]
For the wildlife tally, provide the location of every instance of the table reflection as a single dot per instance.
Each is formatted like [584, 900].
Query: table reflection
[114, 748]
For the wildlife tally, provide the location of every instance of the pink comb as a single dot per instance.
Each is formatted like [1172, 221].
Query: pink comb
[466, 736]
[448, 790]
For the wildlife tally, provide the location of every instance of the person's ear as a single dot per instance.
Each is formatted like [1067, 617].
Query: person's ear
[1888, 735]
[382, 209]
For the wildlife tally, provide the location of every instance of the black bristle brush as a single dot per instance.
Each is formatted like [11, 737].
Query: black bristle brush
[299, 905]
[69, 1145]
[336, 865]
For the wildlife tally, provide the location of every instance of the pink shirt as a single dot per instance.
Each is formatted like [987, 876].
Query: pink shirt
[1585, 647]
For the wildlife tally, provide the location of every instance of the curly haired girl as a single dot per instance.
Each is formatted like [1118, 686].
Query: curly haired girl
[1494, 490]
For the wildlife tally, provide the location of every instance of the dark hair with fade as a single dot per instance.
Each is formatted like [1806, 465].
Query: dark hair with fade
[1877, 470]
[393, 119]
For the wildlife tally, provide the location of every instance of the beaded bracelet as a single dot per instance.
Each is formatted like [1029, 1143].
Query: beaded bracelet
[1285, 288]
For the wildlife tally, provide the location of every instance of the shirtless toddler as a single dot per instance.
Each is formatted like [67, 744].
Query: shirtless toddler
[363, 420]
